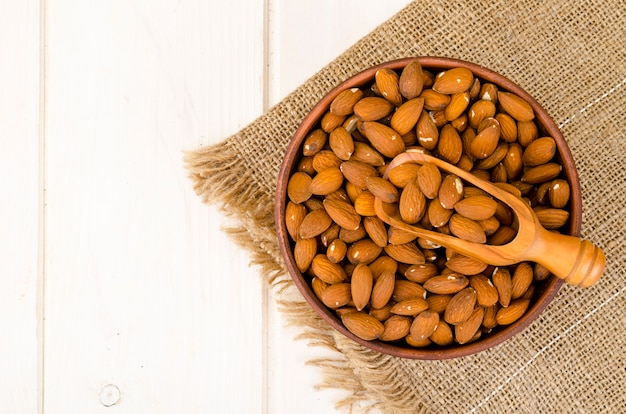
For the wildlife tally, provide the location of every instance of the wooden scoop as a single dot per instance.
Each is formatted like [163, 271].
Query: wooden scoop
[577, 261]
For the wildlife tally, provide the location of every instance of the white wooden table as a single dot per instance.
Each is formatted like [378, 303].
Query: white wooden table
[119, 293]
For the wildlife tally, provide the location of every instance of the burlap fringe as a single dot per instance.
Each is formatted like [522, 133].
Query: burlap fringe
[219, 176]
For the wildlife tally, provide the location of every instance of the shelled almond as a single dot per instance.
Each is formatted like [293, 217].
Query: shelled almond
[383, 282]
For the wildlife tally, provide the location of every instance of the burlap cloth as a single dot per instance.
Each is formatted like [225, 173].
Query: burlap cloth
[571, 55]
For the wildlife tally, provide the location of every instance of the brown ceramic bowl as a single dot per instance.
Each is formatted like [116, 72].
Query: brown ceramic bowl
[544, 291]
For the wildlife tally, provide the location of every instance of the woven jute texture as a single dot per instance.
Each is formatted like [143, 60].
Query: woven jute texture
[571, 56]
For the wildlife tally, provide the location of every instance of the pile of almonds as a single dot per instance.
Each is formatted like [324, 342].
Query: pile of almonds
[383, 282]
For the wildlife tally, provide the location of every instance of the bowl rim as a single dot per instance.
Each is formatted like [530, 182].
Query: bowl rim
[434, 63]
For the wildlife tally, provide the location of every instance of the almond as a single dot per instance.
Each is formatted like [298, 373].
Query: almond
[453, 81]
[479, 111]
[372, 108]
[406, 116]
[442, 335]
[438, 302]
[449, 146]
[366, 154]
[331, 121]
[427, 132]
[382, 189]
[450, 191]
[438, 216]
[411, 80]
[502, 235]
[336, 251]
[314, 142]
[342, 213]
[538, 152]
[387, 82]
[434, 101]
[344, 102]
[405, 253]
[460, 123]
[542, 173]
[361, 284]
[417, 344]
[318, 286]
[364, 204]
[376, 230]
[496, 157]
[336, 295]
[513, 161]
[521, 280]
[383, 313]
[409, 307]
[294, 214]
[489, 319]
[527, 132]
[446, 284]
[465, 265]
[489, 92]
[330, 234]
[403, 174]
[412, 205]
[325, 159]
[510, 314]
[304, 251]
[363, 251]
[383, 264]
[420, 273]
[501, 279]
[397, 235]
[466, 229]
[424, 324]
[356, 172]
[464, 332]
[486, 140]
[508, 127]
[396, 327]
[314, 224]
[486, 292]
[460, 307]
[326, 182]
[327, 271]
[406, 289]
[559, 193]
[490, 225]
[515, 106]
[382, 290]
[298, 187]
[429, 180]
[552, 218]
[457, 106]
[363, 325]
[476, 207]
[341, 143]
[306, 165]
[383, 138]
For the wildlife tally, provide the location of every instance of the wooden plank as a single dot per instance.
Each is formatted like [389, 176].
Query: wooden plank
[144, 293]
[303, 38]
[19, 205]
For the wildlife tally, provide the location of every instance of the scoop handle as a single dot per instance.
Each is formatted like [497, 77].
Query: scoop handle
[579, 262]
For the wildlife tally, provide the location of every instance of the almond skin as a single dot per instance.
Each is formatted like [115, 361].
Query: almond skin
[341, 143]
[559, 193]
[383, 138]
[450, 146]
[511, 313]
[427, 132]
[396, 327]
[336, 295]
[538, 152]
[314, 224]
[298, 187]
[460, 307]
[376, 230]
[412, 205]
[450, 191]
[342, 213]
[424, 324]
[521, 280]
[464, 332]
[429, 180]
[383, 289]
[405, 253]
[372, 108]
[442, 335]
[406, 289]
[552, 218]
[314, 142]
[409, 307]
[465, 265]
[406, 116]
[356, 172]
[467, 229]
[363, 325]
[326, 182]
[446, 284]
[457, 106]
[542, 173]
[486, 292]
[294, 214]
[361, 283]
[327, 271]
[516, 106]
[411, 80]
[382, 189]
[453, 81]
[363, 251]
[476, 207]
[501, 279]
[387, 82]
[344, 102]
[304, 252]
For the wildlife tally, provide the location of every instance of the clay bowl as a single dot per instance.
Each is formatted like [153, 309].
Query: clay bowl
[545, 291]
